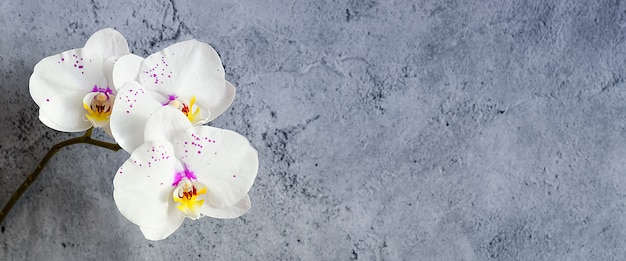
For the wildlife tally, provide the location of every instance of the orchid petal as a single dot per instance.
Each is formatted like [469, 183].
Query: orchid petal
[46, 121]
[223, 157]
[165, 123]
[188, 69]
[218, 108]
[173, 222]
[59, 83]
[64, 113]
[126, 69]
[143, 185]
[108, 42]
[238, 209]
[133, 107]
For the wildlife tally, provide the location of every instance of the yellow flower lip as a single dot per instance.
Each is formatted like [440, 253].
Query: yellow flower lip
[99, 110]
[187, 197]
[186, 109]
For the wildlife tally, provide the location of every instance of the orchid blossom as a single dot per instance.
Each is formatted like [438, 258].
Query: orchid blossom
[188, 76]
[74, 89]
[184, 171]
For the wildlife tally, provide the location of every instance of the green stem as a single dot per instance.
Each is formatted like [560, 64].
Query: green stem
[86, 138]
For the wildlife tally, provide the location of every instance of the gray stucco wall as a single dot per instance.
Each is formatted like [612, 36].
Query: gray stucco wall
[386, 130]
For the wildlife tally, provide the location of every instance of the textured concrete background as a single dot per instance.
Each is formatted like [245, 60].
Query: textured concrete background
[386, 130]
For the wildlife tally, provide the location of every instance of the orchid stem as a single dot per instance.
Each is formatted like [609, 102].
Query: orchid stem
[86, 138]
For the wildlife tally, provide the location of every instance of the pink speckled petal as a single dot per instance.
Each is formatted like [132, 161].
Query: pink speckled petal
[62, 113]
[143, 185]
[238, 209]
[126, 69]
[59, 83]
[187, 69]
[222, 159]
[133, 107]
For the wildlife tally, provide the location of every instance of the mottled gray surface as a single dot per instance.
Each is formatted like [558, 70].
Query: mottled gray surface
[386, 130]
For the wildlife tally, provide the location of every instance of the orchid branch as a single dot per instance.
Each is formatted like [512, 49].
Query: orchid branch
[86, 138]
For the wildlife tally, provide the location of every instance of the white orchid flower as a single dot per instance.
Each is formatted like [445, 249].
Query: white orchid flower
[184, 171]
[188, 76]
[74, 89]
